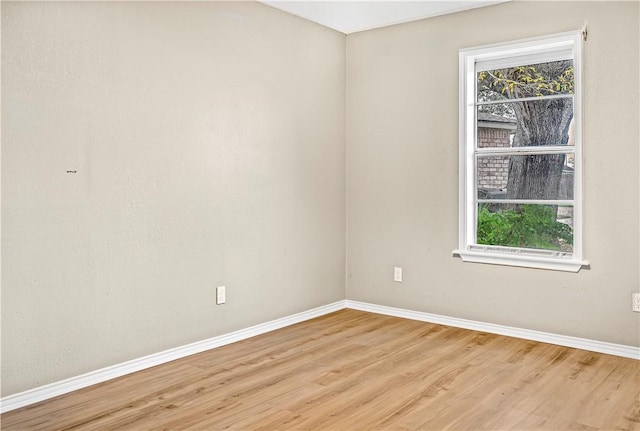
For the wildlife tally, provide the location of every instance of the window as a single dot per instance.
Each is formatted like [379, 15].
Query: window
[520, 153]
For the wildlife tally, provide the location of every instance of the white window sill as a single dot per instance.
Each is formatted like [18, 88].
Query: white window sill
[555, 264]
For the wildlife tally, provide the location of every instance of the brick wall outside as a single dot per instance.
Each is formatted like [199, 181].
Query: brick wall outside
[493, 171]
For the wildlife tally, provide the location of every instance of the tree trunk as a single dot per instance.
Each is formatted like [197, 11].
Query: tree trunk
[539, 122]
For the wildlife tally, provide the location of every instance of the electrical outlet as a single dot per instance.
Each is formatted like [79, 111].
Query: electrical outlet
[397, 274]
[635, 302]
[221, 295]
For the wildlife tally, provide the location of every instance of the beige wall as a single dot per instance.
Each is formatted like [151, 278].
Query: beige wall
[402, 173]
[208, 140]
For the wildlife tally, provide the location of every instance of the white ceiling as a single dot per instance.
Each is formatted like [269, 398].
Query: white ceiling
[352, 16]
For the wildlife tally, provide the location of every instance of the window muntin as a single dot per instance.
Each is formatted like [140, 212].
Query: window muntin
[520, 198]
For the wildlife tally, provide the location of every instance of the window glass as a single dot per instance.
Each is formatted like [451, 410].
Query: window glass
[545, 227]
[534, 176]
[534, 122]
[542, 79]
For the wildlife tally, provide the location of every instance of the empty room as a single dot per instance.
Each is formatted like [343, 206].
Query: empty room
[292, 215]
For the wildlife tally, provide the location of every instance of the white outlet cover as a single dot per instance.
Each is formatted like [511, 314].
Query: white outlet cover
[397, 274]
[635, 302]
[221, 295]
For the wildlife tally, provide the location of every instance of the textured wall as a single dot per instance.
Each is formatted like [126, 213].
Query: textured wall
[402, 173]
[206, 142]
[206, 145]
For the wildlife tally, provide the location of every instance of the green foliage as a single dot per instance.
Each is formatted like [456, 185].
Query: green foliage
[526, 226]
[528, 81]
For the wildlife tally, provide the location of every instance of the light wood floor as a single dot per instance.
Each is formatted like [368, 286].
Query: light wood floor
[352, 370]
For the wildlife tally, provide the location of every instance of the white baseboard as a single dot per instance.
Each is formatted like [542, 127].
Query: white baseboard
[42, 393]
[527, 334]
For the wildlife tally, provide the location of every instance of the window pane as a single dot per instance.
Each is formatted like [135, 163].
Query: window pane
[539, 176]
[543, 227]
[529, 123]
[531, 80]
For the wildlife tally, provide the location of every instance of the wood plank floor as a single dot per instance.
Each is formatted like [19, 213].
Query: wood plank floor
[352, 370]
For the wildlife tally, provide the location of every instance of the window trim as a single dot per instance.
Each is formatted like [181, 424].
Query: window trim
[544, 47]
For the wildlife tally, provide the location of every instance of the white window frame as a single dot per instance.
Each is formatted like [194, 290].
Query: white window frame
[543, 49]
